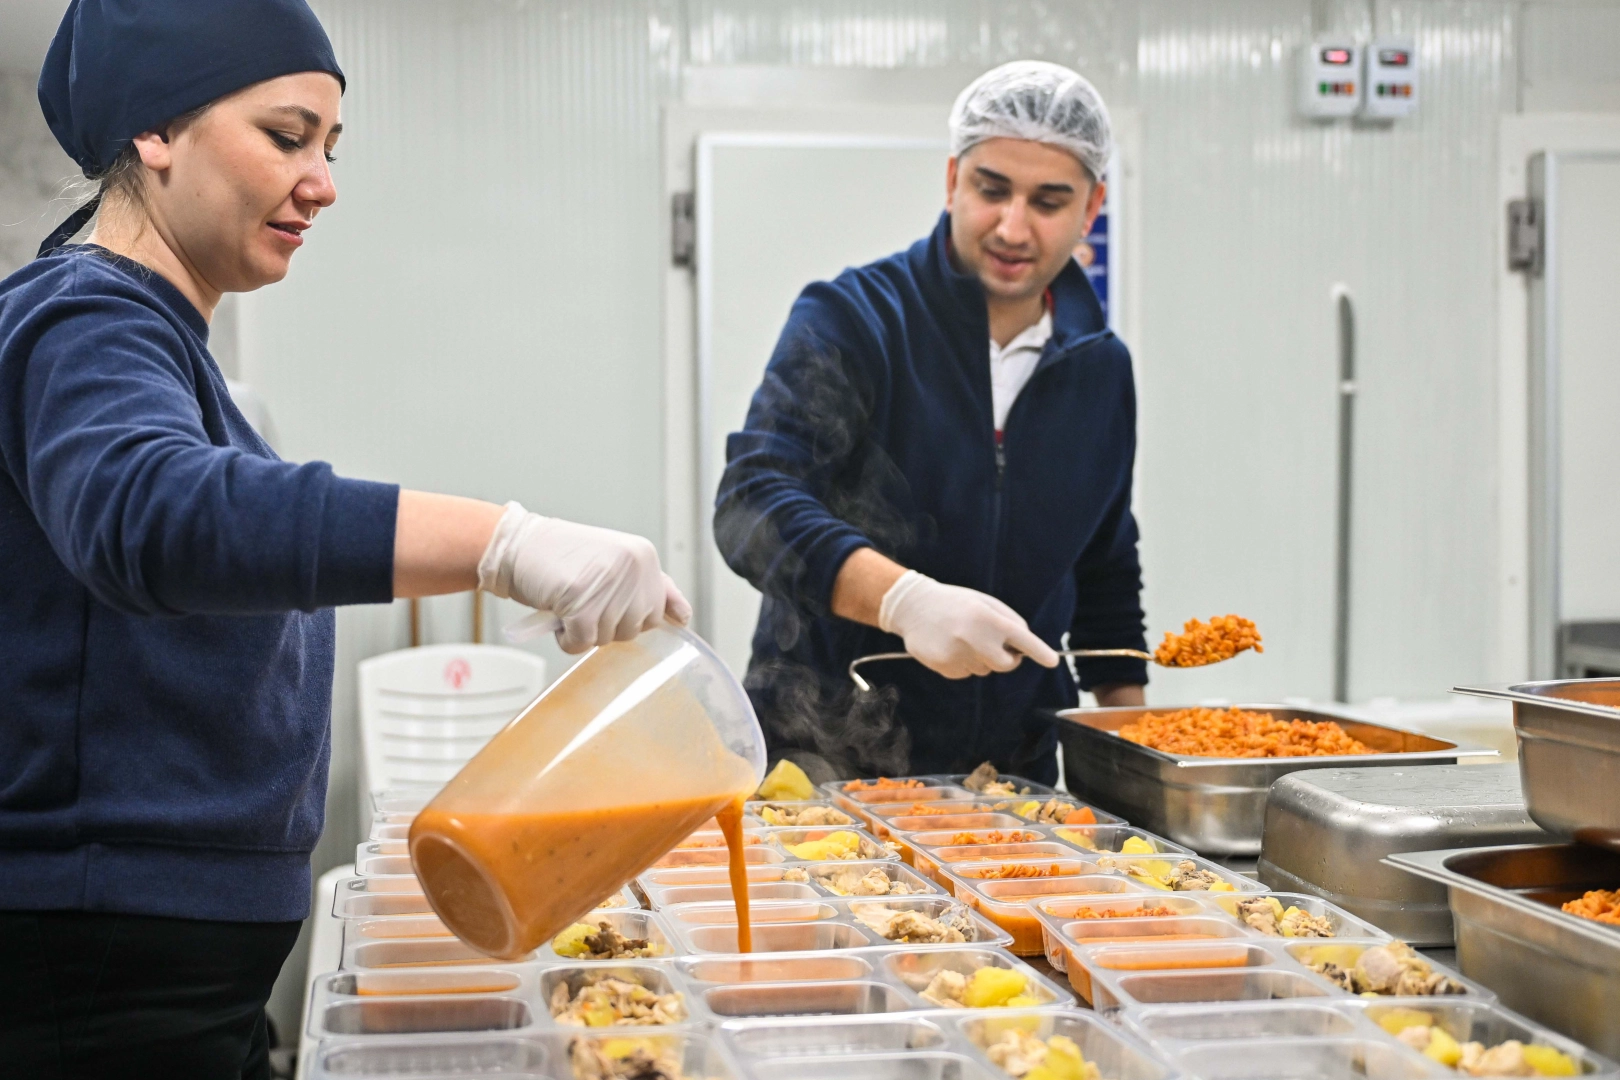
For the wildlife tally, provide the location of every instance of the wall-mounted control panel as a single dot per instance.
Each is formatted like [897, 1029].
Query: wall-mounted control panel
[1391, 82]
[1330, 79]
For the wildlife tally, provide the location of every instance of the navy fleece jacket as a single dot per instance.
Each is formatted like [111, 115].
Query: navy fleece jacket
[165, 619]
[873, 428]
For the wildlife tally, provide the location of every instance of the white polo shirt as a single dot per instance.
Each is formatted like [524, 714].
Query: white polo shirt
[1012, 365]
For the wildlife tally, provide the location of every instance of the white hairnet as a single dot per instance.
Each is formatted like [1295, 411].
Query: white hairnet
[1035, 100]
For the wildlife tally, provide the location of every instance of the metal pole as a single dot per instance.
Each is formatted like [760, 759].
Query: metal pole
[1347, 417]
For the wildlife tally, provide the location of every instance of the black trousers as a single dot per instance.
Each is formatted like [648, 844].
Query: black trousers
[91, 995]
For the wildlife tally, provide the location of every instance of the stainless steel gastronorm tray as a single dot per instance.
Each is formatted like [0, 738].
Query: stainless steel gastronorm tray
[1569, 751]
[1328, 830]
[1215, 806]
[1554, 967]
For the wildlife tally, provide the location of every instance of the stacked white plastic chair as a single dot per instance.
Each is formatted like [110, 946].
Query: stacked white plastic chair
[425, 711]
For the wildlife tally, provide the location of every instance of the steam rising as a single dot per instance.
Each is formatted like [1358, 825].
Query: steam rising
[829, 731]
[811, 433]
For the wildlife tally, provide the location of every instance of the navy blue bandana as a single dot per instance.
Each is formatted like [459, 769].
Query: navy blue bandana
[120, 67]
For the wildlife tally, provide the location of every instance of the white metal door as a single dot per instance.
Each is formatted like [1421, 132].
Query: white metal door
[774, 213]
[1575, 397]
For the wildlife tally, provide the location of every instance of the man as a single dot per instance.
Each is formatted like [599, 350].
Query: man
[939, 460]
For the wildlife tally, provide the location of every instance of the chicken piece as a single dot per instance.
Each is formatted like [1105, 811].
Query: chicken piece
[853, 882]
[1266, 914]
[913, 927]
[1186, 877]
[1054, 812]
[805, 816]
[1506, 1059]
[585, 941]
[1416, 1036]
[611, 1002]
[1016, 1052]
[1389, 970]
[979, 778]
[1261, 913]
[1297, 922]
[1397, 969]
[796, 874]
[1183, 876]
[986, 781]
[623, 1059]
[1021, 1054]
[1335, 974]
[946, 989]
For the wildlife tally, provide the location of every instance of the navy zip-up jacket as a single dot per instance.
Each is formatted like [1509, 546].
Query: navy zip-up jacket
[165, 662]
[873, 428]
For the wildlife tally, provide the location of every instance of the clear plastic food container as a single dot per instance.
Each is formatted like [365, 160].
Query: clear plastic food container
[786, 812]
[1116, 1054]
[1181, 955]
[775, 969]
[826, 1037]
[1112, 991]
[1108, 839]
[1246, 1020]
[785, 926]
[918, 969]
[1146, 869]
[1113, 898]
[918, 1065]
[1342, 923]
[1290, 1058]
[1076, 807]
[929, 860]
[903, 825]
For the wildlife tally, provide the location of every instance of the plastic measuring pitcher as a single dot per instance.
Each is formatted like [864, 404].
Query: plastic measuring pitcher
[636, 746]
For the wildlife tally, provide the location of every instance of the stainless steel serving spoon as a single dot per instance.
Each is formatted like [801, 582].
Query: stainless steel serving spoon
[1134, 654]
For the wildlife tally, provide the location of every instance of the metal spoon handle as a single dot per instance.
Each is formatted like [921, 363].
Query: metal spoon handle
[1135, 654]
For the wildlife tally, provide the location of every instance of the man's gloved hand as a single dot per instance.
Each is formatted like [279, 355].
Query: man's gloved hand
[603, 585]
[958, 632]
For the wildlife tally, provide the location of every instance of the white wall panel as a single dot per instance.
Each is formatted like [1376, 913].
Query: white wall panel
[1249, 216]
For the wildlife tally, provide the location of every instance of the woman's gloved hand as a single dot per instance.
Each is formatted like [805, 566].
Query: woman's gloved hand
[602, 584]
[958, 632]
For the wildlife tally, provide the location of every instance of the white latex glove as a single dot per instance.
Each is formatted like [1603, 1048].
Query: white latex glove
[958, 632]
[603, 585]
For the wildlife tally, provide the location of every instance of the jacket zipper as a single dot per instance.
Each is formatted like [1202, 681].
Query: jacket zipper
[995, 539]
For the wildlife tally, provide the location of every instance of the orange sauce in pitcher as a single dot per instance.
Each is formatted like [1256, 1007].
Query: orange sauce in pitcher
[505, 883]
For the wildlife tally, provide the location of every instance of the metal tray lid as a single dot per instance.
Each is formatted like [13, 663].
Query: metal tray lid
[1332, 827]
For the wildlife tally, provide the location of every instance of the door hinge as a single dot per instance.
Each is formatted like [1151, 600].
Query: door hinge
[683, 229]
[1524, 236]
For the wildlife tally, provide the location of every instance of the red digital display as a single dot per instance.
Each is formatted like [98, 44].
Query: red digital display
[1336, 56]
[1394, 57]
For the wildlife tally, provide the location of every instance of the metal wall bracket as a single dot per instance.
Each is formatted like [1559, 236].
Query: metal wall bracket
[1524, 236]
[683, 229]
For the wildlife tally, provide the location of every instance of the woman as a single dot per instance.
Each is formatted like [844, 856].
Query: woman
[165, 608]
